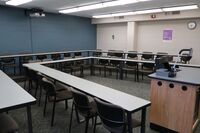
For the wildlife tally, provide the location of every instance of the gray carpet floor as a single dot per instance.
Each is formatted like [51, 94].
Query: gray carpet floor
[61, 124]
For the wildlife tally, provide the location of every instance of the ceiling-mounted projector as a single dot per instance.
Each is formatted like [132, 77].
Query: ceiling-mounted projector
[35, 12]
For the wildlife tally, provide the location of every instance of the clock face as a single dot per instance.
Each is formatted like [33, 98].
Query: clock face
[192, 25]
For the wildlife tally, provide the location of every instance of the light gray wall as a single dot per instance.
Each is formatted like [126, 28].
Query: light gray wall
[105, 40]
[150, 37]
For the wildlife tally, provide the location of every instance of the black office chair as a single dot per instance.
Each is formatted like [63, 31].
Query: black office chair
[55, 56]
[147, 56]
[54, 95]
[186, 55]
[132, 55]
[8, 62]
[84, 107]
[113, 65]
[101, 64]
[111, 53]
[97, 53]
[23, 60]
[41, 57]
[67, 55]
[160, 54]
[129, 65]
[119, 54]
[8, 124]
[32, 81]
[113, 117]
[77, 54]
[146, 69]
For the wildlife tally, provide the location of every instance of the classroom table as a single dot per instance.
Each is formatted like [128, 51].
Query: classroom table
[121, 60]
[128, 102]
[13, 96]
[20, 56]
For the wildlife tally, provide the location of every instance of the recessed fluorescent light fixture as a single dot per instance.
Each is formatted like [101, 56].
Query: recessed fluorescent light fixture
[128, 13]
[114, 15]
[180, 8]
[17, 2]
[101, 5]
[149, 11]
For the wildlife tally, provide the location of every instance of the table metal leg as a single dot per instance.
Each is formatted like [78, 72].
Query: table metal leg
[129, 118]
[143, 120]
[121, 70]
[30, 129]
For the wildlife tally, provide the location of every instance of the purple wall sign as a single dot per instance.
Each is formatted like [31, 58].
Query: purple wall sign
[167, 35]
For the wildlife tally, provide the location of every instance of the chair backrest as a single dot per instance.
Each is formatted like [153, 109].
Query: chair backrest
[26, 59]
[148, 66]
[97, 53]
[41, 57]
[119, 54]
[48, 86]
[114, 62]
[111, 53]
[55, 56]
[160, 54]
[103, 62]
[81, 102]
[132, 54]
[147, 55]
[187, 55]
[32, 75]
[8, 60]
[77, 54]
[68, 55]
[8, 124]
[132, 64]
[112, 116]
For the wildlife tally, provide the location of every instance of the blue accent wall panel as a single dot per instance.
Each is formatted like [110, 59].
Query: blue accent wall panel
[14, 31]
[55, 32]
[61, 32]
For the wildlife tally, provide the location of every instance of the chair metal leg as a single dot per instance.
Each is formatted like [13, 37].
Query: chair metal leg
[14, 71]
[70, 123]
[25, 84]
[40, 95]
[86, 125]
[104, 72]
[53, 113]
[66, 104]
[45, 105]
[95, 122]
[36, 88]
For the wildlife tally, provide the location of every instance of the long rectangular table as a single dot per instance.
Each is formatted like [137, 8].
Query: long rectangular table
[13, 96]
[128, 102]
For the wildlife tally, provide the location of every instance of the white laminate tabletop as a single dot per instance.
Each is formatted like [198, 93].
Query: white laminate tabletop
[118, 59]
[45, 53]
[11, 94]
[126, 101]
[63, 60]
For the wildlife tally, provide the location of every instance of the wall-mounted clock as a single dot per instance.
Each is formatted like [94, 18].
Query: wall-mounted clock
[192, 25]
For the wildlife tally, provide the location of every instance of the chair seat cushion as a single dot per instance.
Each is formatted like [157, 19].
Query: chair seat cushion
[99, 66]
[61, 95]
[9, 65]
[7, 124]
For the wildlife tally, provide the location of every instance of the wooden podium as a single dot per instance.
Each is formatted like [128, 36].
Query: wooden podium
[175, 105]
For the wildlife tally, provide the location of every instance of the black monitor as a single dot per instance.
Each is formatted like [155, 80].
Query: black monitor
[162, 63]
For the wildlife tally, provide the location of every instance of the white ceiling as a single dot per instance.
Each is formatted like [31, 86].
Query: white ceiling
[55, 5]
